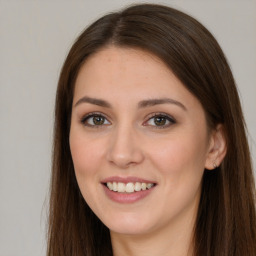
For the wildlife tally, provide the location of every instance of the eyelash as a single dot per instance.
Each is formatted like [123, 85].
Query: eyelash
[85, 119]
[165, 116]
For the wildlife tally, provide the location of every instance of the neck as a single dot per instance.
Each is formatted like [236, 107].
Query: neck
[175, 239]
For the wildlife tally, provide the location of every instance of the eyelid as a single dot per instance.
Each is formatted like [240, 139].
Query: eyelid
[170, 118]
[92, 114]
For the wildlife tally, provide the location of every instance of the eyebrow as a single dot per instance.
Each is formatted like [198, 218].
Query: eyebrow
[153, 102]
[93, 101]
[141, 104]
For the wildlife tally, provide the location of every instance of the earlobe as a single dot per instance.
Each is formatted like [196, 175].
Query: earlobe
[217, 148]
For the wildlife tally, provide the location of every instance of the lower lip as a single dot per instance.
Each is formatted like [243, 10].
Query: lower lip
[126, 198]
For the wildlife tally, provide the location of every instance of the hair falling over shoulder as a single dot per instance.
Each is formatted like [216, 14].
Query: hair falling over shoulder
[226, 221]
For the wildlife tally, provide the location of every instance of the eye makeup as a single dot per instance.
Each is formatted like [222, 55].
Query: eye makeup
[160, 120]
[94, 120]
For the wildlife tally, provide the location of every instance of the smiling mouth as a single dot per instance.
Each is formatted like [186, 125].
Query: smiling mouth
[129, 187]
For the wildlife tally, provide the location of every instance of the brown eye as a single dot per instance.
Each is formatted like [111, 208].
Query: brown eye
[160, 121]
[95, 120]
[98, 120]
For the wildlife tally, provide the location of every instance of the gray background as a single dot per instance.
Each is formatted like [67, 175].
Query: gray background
[34, 39]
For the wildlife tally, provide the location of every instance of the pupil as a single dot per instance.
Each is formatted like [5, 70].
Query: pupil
[98, 120]
[160, 121]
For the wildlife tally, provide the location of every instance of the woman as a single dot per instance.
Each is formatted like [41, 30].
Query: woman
[150, 151]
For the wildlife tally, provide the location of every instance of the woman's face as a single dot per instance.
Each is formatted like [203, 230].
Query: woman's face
[139, 142]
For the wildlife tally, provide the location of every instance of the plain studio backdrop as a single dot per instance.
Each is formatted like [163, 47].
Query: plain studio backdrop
[35, 37]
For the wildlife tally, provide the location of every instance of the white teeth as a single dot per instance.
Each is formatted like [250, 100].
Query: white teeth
[143, 186]
[129, 187]
[120, 187]
[137, 186]
[149, 185]
[110, 185]
[114, 186]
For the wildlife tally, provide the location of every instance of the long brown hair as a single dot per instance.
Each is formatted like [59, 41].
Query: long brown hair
[226, 222]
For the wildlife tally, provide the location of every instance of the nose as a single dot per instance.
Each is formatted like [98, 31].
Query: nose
[125, 148]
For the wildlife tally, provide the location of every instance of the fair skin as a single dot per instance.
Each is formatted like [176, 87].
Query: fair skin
[134, 121]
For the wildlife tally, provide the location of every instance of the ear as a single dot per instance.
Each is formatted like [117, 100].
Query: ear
[217, 148]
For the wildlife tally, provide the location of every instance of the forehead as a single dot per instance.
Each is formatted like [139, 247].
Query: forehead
[111, 62]
[124, 73]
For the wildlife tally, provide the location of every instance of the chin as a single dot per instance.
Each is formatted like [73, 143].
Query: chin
[128, 224]
[129, 229]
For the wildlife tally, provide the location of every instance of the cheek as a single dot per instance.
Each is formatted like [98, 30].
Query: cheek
[181, 158]
[181, 167]
[86, 155]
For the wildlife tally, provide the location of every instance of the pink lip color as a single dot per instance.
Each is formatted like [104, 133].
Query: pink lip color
[126, 179]
[125, 198]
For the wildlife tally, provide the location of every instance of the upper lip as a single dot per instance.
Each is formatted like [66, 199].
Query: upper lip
[126, 179]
